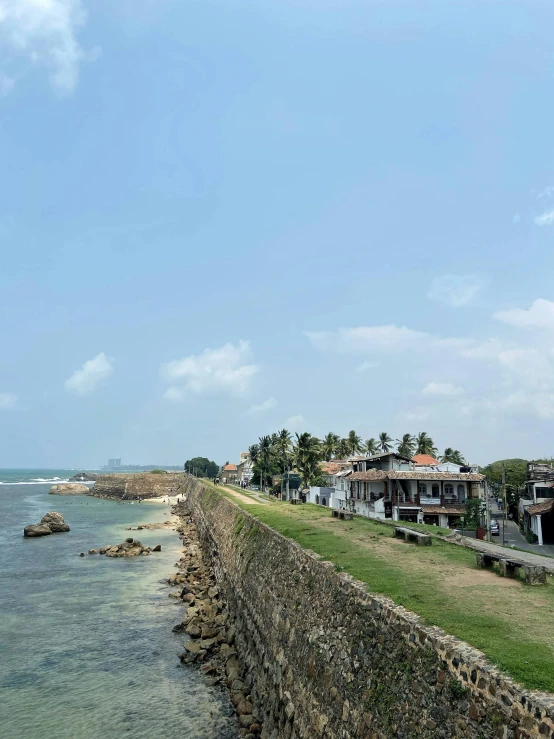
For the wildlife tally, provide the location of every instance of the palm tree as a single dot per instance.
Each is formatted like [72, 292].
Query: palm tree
[343, 449]
[265, 446]
[330, 444]
[282, 449]
[307, 455]
[354, 442]
[254, 453]
[371, 447]
[385, 441]
[452, 455]
[425, 444]
[406, 445]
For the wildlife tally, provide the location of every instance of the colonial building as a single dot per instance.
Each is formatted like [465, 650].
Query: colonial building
[538, 505]
[390, 485]
[229, 474]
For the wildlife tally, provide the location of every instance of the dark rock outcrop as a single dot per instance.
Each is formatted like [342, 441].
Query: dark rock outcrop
[55, 522]
[128, 548]
[51, 523]
[37, 529]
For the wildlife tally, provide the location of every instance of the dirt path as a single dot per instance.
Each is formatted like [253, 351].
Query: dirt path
[243, 498]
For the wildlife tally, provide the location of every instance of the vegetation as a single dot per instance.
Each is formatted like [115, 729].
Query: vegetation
[440, 583]
[453, 455]
[157, 472]
[475, 509]
[201, 467]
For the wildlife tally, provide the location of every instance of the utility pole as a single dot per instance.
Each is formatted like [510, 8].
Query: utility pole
[504, 504]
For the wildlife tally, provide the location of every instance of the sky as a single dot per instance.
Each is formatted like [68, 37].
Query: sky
[222, 218]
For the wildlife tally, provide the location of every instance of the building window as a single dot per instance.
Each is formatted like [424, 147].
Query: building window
[323, 501]
[449, 491]
[436, 491]
[461, 493]
[422, 488]
[317, 499]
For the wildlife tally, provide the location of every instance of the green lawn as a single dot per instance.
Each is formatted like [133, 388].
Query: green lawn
[510, 622]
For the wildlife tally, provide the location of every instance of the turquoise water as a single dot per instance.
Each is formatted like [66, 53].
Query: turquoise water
[86, 647]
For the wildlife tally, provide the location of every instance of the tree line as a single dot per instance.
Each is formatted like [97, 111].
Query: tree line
[279, 453]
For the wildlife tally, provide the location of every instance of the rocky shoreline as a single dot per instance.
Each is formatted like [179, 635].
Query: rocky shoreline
[209, 629]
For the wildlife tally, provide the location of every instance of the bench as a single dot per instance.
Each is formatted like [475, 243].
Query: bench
[410, 535]
[508, 567]
[343, 515]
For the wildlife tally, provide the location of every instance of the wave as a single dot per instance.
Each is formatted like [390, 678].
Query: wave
[37, 481]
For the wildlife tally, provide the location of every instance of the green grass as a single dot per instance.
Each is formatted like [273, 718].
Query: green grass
[513, 626]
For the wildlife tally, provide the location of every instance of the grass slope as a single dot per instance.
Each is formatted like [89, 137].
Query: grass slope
[509, 621]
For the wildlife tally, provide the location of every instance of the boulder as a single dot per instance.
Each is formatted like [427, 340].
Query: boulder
[130, 548]
[69, 488]
[37, 529]
[55, 522]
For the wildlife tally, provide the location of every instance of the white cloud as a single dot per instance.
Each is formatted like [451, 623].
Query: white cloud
[545, 219]
[43, 33]
[540, 315]
[225, 369]
[85, 379]
[387, 339]
[548, 192]
[455, 290]
[516, 218]
[442, 389]
[7, 400]
[261, 407]
[295, 423]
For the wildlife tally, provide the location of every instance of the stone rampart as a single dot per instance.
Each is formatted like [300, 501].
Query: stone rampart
[141, 484]
[328, 659]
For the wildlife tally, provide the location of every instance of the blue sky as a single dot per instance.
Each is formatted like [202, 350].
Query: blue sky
[221, 218]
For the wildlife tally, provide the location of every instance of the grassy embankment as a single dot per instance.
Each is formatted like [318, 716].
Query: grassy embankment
[510, 622]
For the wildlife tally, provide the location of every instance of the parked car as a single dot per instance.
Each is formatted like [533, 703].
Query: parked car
[495, 528]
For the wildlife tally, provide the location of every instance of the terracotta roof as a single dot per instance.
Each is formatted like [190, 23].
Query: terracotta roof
[456, 510]
[401, 475]
[426, 460]
[330, 468]
[536, 510]
[230, 468]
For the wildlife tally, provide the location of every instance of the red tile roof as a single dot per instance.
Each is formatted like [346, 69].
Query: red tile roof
[451, 510]
[425, 459]
[230, 468]
[415, 475]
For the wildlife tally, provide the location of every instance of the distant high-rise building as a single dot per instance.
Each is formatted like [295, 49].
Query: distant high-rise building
[114, 463]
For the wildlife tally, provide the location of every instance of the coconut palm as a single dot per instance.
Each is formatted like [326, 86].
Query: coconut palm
[406, 446]
[329, 447]
[343, 449]
[283, 447]
[354, 442]
[371, 447]
[254, 453]
[307, 455]
[424, 444]
[452, 455]
[266, 448]
[385, 442]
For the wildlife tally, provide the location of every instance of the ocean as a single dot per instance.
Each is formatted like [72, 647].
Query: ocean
[86, 643]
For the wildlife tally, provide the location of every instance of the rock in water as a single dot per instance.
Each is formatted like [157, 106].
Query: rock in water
[55, 522]
[69, 488]
[37, 529]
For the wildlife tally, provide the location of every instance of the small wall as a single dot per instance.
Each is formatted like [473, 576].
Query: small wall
[328, 659]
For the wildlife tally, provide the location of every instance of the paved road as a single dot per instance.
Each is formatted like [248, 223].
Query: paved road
[514, 538]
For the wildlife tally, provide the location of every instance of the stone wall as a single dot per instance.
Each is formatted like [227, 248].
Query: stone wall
[328, 659]
[140, 484]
